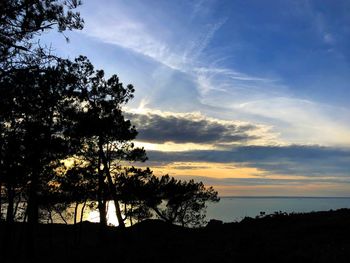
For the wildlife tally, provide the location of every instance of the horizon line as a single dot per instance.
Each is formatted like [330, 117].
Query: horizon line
[279, 196]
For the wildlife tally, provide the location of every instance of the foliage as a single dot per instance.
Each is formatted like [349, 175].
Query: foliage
[172, 200]
[32, 85]
[33, 111]
[97, 125]
[52, 109]
[132, 188]
[22, 21]
[184, 201]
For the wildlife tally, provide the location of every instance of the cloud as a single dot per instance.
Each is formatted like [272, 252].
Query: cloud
[186, 54]
[130, 34]
[194, 128]
[302, 121]
[196, 76]
[230, 86]
[329, 38]
[266, 181]
[286, 160]
[198, 46]
[149, 37]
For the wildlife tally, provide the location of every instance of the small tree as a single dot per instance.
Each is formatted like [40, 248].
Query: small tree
[182, 202]
[174, 201]
[131, 190]
[76, 185]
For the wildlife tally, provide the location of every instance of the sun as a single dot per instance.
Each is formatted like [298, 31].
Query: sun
[94, 215]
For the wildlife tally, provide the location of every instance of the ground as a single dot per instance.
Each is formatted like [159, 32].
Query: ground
[310, 237]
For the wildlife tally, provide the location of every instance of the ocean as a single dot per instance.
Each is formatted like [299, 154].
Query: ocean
[230, 209]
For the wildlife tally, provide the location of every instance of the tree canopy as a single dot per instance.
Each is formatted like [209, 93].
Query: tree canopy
[164, 197]
[23, 21]
[53, 110]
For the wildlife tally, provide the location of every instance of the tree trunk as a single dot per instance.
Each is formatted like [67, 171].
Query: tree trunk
[100, 197]
[76, 212]
[82, 211]
[16, 207]
[33, 206]
[81, 220]
[114, 196]
[50, 215]
[131, 212]
[0, 198]
[25, 216]
[102, 211]
[161, 216]
[62, 217]
[111, 185]
[10, 201]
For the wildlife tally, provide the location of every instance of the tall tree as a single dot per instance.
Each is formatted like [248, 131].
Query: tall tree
[106, 135]
[24, 65]
[38, 99]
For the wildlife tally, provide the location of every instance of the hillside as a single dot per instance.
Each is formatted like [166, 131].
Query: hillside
[310, 237]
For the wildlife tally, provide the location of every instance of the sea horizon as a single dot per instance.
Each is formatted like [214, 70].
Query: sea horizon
[235, 208]
[279, 196]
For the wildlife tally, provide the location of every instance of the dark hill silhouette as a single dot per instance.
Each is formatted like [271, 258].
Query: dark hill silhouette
[310, 237]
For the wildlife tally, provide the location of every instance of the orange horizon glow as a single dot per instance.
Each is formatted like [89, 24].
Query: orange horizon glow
[201, 171]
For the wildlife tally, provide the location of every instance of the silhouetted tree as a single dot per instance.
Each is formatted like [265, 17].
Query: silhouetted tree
[23, 20]
[106, 137]
[131, 189]
[35, 119]
[52, 109]
[174, 201]
[181, 202]
[77, 185]
[27, 112]
[11, 167]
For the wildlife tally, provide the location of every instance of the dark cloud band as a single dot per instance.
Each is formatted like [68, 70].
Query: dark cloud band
[156, 128]
[267, 181]
[292, 160]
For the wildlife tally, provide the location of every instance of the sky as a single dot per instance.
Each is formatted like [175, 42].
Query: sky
[251, 97]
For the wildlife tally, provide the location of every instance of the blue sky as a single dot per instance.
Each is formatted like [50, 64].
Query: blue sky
[214, 78]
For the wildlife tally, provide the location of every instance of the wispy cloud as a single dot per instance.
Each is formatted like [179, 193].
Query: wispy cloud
[198, 8]
[305, 122]
[132, 35]
[185, 55]
[182, 46]
[198, 45]
[328, 38]
[322, 28]
[144, 37]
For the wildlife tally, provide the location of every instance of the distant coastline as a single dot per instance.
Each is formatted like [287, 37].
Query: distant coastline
[285, 197]
[236, 208]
